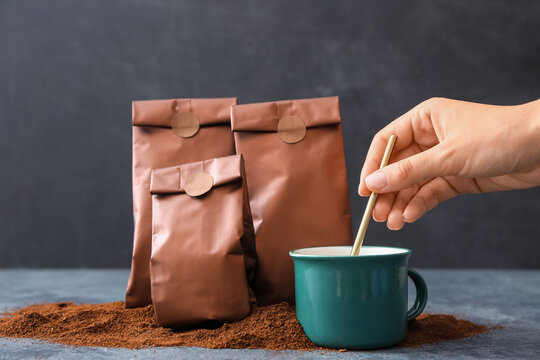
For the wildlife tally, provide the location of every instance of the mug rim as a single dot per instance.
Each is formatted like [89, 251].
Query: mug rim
[294, 253]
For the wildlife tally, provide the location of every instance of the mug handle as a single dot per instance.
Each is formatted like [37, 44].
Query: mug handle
[421, 295]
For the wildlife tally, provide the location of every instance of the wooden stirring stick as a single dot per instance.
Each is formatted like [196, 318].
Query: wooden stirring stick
[371, 202]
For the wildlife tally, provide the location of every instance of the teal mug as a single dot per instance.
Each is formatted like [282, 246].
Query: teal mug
[355, 302]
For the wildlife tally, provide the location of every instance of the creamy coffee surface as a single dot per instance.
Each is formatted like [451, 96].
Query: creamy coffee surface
[346, 251]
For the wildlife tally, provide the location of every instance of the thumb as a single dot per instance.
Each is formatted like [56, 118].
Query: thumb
[406, 172]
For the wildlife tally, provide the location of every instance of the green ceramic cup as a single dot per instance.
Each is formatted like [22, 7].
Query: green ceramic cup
[355, 302]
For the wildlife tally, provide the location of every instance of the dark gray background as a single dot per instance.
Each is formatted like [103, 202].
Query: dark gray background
[69, 70]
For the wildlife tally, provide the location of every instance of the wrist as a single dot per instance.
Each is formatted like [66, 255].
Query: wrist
[534, 117]
[531, 117]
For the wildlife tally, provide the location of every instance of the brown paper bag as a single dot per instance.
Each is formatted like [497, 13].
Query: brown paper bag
[168, 133]
[295, 169]
[203, 246]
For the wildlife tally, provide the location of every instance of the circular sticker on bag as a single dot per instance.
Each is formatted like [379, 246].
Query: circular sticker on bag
[291, 129]
[198, 184]
[185, 124]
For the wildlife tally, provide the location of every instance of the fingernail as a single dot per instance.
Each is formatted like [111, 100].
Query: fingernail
[397, 229]
[377, 180]
[389, 228]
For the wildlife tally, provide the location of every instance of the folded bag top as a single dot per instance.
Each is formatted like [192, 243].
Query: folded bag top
[266, 116]
[162, 112]
[175, 179]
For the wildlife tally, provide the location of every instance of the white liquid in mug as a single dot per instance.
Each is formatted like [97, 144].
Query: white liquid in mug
[346, 251]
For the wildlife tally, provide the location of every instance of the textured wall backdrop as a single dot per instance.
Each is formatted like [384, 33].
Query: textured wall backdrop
[69, 70]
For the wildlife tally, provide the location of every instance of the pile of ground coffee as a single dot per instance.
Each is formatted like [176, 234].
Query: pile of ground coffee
[269, 327]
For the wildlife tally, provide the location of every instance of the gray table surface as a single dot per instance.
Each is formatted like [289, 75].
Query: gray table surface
[510, 298]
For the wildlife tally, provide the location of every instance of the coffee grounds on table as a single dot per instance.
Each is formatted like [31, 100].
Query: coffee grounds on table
[270, 327]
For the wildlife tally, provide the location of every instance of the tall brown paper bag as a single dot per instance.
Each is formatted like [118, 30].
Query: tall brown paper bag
[167, 133]
[295, 169]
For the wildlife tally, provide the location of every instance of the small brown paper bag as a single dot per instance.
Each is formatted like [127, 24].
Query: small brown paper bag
[168, 133]
[295, 169]
[203, 249]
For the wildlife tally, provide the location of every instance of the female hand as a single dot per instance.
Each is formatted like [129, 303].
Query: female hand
[447, 147]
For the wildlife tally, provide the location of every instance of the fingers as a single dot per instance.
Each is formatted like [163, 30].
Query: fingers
[382, 207]
[386, 201]
[414, 182]
[413, 127]
[395, 215]
[370, 165]
[400, 127]
[410, 204]
[407, 172]
[430, 195]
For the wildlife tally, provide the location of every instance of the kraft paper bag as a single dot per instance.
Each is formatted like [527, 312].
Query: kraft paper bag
[203, 246]
[167, 133]
[295, 170]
